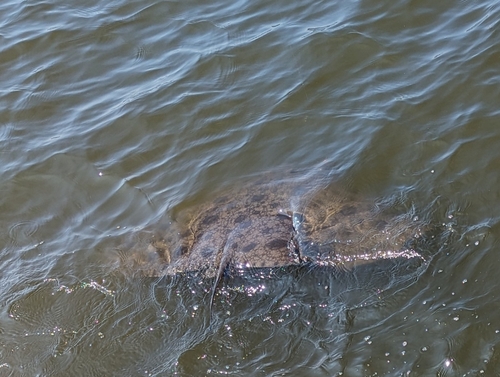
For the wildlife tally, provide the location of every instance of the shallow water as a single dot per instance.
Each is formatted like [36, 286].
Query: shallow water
[116, 115]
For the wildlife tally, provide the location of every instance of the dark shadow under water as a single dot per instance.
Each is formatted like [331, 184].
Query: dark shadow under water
[310, 310]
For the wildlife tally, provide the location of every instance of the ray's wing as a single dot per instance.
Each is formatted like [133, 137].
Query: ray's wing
[339, 228]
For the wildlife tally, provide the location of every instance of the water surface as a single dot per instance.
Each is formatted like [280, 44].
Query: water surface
[114, 115]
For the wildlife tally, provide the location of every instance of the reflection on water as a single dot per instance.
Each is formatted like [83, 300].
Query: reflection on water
[116, 116]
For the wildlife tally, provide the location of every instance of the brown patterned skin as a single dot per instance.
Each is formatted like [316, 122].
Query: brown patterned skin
[244, 227]
[283, 223]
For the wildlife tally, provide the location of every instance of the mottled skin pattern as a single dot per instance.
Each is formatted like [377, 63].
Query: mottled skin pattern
[280, 224]
[247, 228]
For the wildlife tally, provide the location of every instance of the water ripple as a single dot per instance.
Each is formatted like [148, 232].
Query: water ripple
[114, 113]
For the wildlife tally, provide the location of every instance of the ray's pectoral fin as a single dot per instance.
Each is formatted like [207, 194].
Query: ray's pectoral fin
[160, 247]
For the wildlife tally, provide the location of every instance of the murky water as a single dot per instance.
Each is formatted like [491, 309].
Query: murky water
[116, 115]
